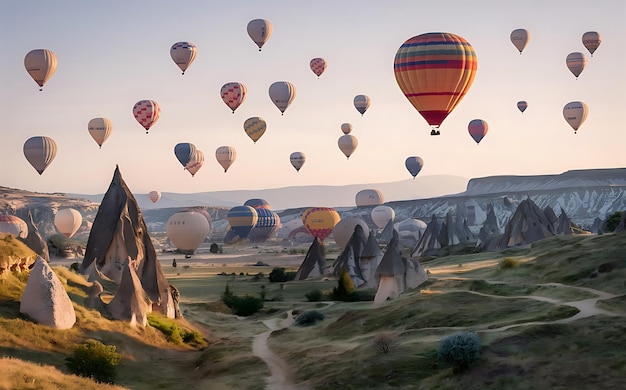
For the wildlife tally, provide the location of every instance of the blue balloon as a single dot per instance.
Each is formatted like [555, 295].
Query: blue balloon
[414, 164]
[184, 152]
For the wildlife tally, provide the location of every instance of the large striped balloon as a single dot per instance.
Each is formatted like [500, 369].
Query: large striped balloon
[320, 221]
[435, 71]
[266, 225]
[255, 127]
[242, 219]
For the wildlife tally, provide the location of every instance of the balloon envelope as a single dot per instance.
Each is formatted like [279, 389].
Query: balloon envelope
[477, 129]
[344, 229]
[591, 41]
[226, 156]
[576, 62]
[361, 103]
[522, 105]
[575, 114]
[40, 65]
[68, 221]
[195, 163]
[259, 31]
[320, 221]
[266, 225]
[40, 151]
[346, 128]
[381, 215]
[257, 203]
[369, 197]
[348, 143]
[233, 94]
[187, 230]
[297, 159]
[184, 152]
[147, 113]
[154, 196]
[183, 54]
[435, 71]
[520, 38]
[242, 219]
[255, 127]
[100, 129]
[414, 165]
[282, 94]
[11, 224]
[318, 66]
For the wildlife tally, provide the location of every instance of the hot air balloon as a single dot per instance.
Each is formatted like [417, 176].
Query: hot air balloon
[40, 151]
[414, 165]
[282, 94]
[348, 143]
[591, 40]
[257, 203]
[260, 31]
[68, 221]
[522, 105]
[147, 113]
[477, 129]
[369, 197]
[435, 71]
[346, 128]
[242, 219]
[195, 163]
[575, 114]
[361, 103]
[100, 129]
[297, 159]
[318, 66]
[381, 215]
[233, 94]
[40, 65]
[266, 225]
[576, 62]
[187, 230]
[154, 196]
[255, 127]
[320, 221]
[11, 224]
[226, 156]
[183, 54]
[184, 152]
[520, 38]
[344, 229]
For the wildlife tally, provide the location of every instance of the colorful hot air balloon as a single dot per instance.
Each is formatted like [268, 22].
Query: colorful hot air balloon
[100, 129]
[297, 159]
[576, 62]
[187, 230]
[381, 215]
[233, 94]
[184, 152]
[282, 94]
[522, 105]
[344, 229]
[591, 40]
[183, 54]
[266, 225]
[575, 114]
[68, 221]
[257, 203]
[348, 143]
[520, 38]
[361, 103]
[318, 66]
[414, 165]
[40, 65]
[477, 129]
[320, 221]
[346, 128]
[154, 196]
[260, 31]
[242, 219]
[435, 71]
[147, 113]
[369, 197]
[255, 127]
[40, 151]
[195, 163]
[11, 224]
[226, 156]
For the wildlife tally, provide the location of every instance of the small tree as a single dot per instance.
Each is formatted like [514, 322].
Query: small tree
[459, 350]
[228, 296]
[612, 221]
[309, 317]
[278, 275]
[95, 360]
[384, 341]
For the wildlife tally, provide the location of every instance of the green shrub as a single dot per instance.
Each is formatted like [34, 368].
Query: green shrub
[174, 333]
[247, 305]
[309, 317]
[228, 296]
[612, 221]
[314, 295]
[95, 360]
[459, 350]
[508, 262]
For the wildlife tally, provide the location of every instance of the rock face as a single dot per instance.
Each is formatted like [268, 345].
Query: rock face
[45, 299]
[314, 263]
[34, 240]
[119, 239]
[131, 303]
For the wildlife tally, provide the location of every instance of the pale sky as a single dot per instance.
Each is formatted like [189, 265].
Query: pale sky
[115, 53]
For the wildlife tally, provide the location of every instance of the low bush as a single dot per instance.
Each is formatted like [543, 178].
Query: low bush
[247, 305]
[384, 341]
[279, 274]
[309, 317]
[508, 262]
[314, 295]
[174, 333]
[459, 350]
[95, 360]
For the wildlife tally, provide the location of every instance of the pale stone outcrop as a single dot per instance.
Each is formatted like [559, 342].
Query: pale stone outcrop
[314, 263]
[131, 303]
[429, 241]
[370, 260]
[45, 300]
[348, 259]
